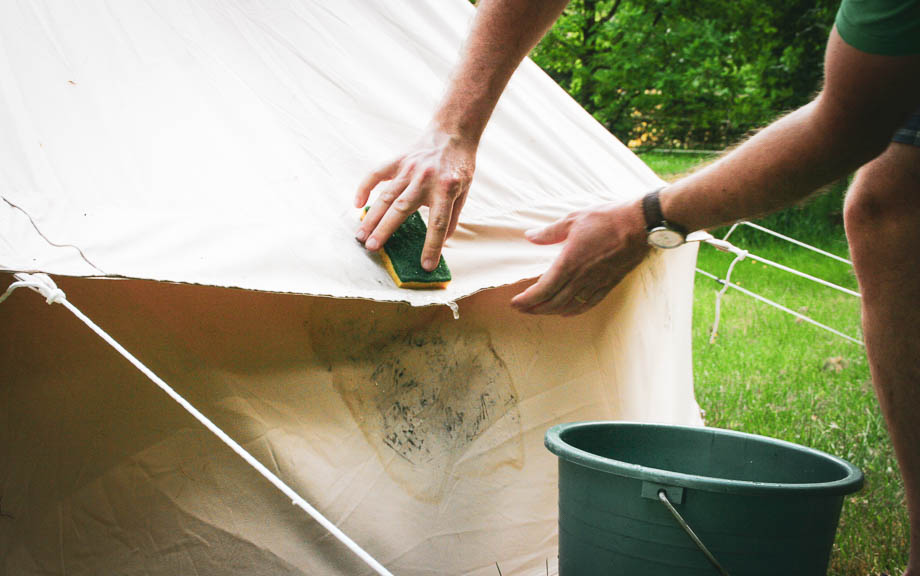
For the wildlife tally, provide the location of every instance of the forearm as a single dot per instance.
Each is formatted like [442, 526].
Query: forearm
[782, 164]
[503, 33]
[865, 98]
[438, 171]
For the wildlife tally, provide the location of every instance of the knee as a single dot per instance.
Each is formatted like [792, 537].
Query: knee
[882, 220]
[865, 205]
[884, 196]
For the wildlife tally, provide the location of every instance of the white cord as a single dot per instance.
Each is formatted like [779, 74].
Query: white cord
[46, 287]
[730, 230]
[794, 241]
[807, 276]
[52, 295]
[725, 246]
[741, 255]
[781, 307]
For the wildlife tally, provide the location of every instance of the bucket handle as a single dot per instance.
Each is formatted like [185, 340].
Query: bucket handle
[663, 498]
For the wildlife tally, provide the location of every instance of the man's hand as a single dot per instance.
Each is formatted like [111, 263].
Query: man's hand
[437, 174]
[438, 171]
[602, 246]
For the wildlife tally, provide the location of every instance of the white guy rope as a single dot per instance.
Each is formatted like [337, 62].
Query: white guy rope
[787, 239]
[783, 308]
[47, 288]
[52, 296]
[741, 255]
[807, 276]
[797, 242]
[725, 246]
[730, 230]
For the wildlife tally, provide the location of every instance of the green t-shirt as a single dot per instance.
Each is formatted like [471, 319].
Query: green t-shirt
[890, 27]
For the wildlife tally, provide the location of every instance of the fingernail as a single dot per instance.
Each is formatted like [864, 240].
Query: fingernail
[361, 235]
[428, 264]
[531, 233]
[372, 244]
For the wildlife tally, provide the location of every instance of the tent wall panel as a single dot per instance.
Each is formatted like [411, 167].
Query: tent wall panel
[420, 435]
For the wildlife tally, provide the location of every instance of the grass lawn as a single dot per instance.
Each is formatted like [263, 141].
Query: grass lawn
[768, 374]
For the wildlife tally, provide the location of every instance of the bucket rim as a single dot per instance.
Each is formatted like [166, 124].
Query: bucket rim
[851, 482]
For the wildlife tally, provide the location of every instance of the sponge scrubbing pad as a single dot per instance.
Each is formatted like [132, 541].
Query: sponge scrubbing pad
[402, 256]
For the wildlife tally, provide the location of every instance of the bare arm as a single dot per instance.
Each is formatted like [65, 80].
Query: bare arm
[438, 171]
[865, 98]
[503, 33]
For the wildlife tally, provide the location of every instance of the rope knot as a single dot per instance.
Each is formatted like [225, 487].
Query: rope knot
[41, 283]
[54, 296]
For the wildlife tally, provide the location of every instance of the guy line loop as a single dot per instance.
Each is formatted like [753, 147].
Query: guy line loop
[44, 285]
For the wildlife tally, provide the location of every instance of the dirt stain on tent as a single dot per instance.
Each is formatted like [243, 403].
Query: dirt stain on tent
[429, 394]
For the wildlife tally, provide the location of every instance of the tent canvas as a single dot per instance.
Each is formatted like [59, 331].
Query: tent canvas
[207, 152]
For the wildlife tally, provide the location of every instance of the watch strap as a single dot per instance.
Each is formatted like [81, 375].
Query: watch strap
[654, 218]
[651, 209]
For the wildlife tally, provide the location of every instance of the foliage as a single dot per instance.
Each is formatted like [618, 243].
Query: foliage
[684, 73]
[671, 166]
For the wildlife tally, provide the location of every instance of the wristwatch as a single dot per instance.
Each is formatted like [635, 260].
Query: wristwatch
[661, 233]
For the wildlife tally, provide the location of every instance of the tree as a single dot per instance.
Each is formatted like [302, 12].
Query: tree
[687, 73]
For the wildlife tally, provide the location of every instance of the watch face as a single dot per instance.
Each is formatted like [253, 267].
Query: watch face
[662, 237]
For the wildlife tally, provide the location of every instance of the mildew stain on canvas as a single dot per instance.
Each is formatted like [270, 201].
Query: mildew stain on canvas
[427, 397]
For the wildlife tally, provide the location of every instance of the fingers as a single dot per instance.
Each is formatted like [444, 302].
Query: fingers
[580, 305]
[554, 279]
[559, 302]
[596, 298]
[549, 284]
[403, 195]
[566, 288]
[439, 218]
[436, 174]
[395, 213]
[455, 214]
[386, 172]
[602, 246]
[552, 234]
[569, 300]
[393, 190]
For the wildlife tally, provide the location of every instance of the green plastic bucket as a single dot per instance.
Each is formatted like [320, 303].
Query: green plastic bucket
[756, 505]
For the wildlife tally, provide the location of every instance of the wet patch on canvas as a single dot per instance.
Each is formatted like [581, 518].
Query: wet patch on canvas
[427, 398]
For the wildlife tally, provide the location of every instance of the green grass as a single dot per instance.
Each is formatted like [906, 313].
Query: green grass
[768, 374]
[669, 164]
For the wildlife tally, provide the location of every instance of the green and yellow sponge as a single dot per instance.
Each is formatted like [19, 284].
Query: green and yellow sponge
[402, 255]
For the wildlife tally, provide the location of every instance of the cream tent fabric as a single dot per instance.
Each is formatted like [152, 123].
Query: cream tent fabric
[220, 143]
[196, 147]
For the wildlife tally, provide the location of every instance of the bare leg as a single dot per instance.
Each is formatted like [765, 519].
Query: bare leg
[882, 219]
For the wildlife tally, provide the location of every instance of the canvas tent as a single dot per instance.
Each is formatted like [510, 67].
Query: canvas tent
[184, 171]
